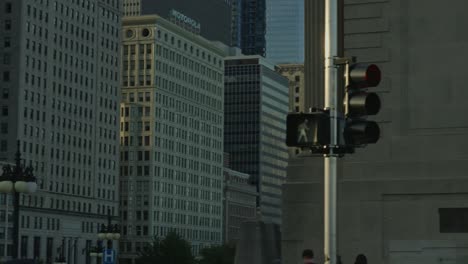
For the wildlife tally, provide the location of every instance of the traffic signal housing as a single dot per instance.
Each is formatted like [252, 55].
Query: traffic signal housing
[308, 129]
[359, 103]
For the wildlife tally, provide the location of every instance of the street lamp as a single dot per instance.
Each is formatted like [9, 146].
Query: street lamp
[109, 233]
[17, 179]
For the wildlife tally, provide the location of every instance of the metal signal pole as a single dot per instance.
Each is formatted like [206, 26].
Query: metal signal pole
[331, 104]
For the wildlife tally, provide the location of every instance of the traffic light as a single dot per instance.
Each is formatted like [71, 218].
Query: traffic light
[359, 103]
[308, 129]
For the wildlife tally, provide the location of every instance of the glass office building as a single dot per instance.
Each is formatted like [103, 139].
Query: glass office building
[285, 31]
[253, 27]
[256, 105]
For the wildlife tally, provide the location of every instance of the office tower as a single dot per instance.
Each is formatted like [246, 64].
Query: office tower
[285, 31]
[240, 203]
[171, 135]
[60, 94]
[256, 105]
[131, 7]
[253, 27]
[211, 18]
[408, 190]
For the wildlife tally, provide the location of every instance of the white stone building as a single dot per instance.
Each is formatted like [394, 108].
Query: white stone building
[172, 118]
[60, 94]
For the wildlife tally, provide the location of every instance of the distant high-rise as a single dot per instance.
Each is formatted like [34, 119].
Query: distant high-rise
[211, 18]
[171, 135]
[131, 7]
[256, 105]
[253, 27]
[60, 92]
[285, 31]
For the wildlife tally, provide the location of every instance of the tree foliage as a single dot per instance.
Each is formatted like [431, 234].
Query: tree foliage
[218, 255]
[172, 249]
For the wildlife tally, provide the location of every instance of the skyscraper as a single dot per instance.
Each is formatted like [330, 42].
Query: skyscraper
[60, 93]
[256, 105]
[171, 135]
[253, 27]
[213, 17]
[285, 31]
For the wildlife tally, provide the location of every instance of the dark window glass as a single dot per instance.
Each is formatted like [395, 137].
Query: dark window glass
[7, 24]
[8, 8]
[37, 247]
[24, 246]
[6, 76]
[453, 220]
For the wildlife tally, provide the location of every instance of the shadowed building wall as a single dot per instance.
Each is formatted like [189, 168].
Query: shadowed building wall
[393, 195]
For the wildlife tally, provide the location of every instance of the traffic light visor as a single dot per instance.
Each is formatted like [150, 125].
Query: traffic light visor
[362, 132]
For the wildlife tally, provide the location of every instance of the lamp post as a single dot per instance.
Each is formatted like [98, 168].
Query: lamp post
[109, 233]
[61, 250]
[17, 179]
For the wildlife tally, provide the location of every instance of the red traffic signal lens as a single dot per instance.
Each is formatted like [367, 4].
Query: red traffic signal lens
[364, 75]
[373, 75]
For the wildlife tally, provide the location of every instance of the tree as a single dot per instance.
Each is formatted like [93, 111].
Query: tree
[218, 255]
[172, 249]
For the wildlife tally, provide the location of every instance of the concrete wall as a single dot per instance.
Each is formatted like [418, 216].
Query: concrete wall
[390, 192]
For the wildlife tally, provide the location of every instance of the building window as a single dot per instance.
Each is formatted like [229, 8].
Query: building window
[6, 59]
[6, 76]
[49, 250]
[3, 146]
[297, 109]
[5, 93]
[7, 42]
[297, 89]
[453, 220]
[8, 8]
[297, 99]
[7, 24]
[24, 246]
[4, 110]
[37, 247]
[4, 128]
[298, 78]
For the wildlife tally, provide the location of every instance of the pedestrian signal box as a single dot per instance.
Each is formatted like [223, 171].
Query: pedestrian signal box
[308, 129]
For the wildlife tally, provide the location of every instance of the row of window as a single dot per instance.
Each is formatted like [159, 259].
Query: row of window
[200, 54]
[70, 93]
[50, 223]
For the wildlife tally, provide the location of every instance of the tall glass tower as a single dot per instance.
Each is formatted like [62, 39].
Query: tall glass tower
[285, 31]
[256, 105]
